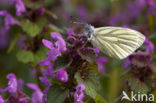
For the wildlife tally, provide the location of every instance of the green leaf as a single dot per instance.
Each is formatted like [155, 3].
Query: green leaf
[40, 54]
[104, 82]
[33, 28]
[99, 99]
[138, 86]
[56, 94]
[91, 83]
[25, 56]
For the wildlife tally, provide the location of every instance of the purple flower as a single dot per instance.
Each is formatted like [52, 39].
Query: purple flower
[9, 20]
[96, 50]
[47, 43]
[62, 75]
[100, 62]
[126, 63]
[45, 81]
[80, 87]
[1, 99]
[70, 32]
[37, 95]
[40, 11]
[12, 84]
[60, 44]
[16, 96]
[52, 54]
[20, 7]
[149, 47]
[150, 2]
[151, 8]
[49, 71]
[79, 93]
[44, 62]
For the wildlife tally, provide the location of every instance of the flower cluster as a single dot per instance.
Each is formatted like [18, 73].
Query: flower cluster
[76, 51]
[56, 46]
[140, 63]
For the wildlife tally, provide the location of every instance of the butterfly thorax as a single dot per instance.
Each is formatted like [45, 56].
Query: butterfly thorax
[89, 31]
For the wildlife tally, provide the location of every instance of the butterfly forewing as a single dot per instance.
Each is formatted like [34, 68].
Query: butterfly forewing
[116, 41]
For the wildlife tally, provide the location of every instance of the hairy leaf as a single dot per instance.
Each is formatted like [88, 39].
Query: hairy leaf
[25, 56]
[33, 28]
[138, 86]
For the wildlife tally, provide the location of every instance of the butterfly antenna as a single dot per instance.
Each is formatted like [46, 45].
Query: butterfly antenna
[76, 21]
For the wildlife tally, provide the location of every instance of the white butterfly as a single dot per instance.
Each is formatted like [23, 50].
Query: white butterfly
[116, 42]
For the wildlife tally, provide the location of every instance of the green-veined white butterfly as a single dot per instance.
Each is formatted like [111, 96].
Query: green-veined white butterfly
[117, 42]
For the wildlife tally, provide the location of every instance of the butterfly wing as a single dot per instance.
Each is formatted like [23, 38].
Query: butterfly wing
[117, 42]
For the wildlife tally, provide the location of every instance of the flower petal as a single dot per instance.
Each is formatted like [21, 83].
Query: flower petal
[47, 43]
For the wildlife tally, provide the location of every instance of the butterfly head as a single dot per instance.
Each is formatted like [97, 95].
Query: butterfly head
[89, 31]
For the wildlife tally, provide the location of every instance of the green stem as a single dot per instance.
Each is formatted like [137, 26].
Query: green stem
[50, 14]
[13, 43]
